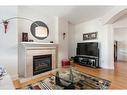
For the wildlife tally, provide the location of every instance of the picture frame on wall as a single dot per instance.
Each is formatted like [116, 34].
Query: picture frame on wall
[90, 36]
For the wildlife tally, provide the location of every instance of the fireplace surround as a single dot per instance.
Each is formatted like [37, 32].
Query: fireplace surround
[30, 51]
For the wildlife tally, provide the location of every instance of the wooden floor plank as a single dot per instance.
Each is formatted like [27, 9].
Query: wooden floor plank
[118, 76]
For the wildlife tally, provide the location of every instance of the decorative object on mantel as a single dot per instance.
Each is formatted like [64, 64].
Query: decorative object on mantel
[90, 36]
[40, 32]
[51, 41]
[24, 37]
[38, 29]
[30, 40]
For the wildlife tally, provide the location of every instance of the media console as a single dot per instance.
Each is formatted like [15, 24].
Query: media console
[87, 54]
[90, 61]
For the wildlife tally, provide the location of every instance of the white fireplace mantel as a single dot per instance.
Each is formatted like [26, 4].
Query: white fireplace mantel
[29, 49]
[30, 44]
[39, 43]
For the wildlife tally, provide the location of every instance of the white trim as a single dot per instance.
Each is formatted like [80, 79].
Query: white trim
[28, 43]
[14, 77]
[114, 14]
[107, 67]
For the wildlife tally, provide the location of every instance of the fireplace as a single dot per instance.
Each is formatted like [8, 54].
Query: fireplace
[42, 63]
[37, 51]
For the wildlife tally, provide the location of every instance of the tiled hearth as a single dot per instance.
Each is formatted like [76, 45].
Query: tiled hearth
[31, 50]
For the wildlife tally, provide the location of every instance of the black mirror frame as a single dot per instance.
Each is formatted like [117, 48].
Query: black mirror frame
[36, 24]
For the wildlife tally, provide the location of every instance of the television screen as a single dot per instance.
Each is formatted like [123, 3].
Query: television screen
[89, 48]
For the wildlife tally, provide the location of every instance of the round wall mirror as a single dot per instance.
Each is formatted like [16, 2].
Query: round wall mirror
[39, 30]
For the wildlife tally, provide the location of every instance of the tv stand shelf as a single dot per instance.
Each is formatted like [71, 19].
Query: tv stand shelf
[90, 61]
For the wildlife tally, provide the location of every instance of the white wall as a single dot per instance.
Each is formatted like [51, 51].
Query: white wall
[114, 14]
[107, 45]
[24, 25]
[121, 22]
[63, 43]
[8, 41]
[104, 32]
[71, 40]
[57, 26]
[120, 34]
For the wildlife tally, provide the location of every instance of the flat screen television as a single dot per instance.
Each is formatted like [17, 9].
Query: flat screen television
[88, 49]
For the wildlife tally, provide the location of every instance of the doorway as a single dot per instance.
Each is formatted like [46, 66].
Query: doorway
[120, 45]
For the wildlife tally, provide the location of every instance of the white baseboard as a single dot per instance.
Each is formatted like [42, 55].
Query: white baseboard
[14, 77]
[23, 79]
[106, 67]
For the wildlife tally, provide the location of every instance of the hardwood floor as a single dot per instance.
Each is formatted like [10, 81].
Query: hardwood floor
[118, 76]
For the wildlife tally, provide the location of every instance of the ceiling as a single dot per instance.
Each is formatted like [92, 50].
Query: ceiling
[74, 14]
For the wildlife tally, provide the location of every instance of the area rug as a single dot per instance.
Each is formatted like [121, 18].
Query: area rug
[70, 79]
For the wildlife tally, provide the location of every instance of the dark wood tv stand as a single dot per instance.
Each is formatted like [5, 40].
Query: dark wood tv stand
[84, 60]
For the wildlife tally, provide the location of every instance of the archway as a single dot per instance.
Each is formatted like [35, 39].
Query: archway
[110, 18]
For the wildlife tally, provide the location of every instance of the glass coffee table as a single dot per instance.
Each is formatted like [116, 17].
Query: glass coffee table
[71, 78]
